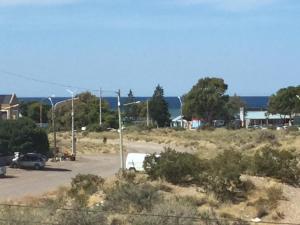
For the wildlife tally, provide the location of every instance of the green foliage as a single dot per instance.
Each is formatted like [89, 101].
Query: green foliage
[22, 136]
[206, 99]
[86, 114]
[82, 186]
[223, 177]
[232, 108]
[285, 101]
[282, 165]
[32, 111]
[131, 111]
[175, 167]
[124, 196]
[158, 108]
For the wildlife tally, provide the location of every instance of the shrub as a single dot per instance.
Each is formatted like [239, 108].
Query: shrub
[22, 136]
[171, 211]
[278, 164]
[82, 186]
[292, 129]
[81, 217]
[124, 196]
[266, 136]
[211, 218]
[223, 177]
[175, 167]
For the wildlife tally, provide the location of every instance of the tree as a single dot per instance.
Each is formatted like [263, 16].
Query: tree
[285, 101]
[232, 108]
[32, 111]
[86, 113]
[22, 136]
[206, 99]
[158, 108]
[132, 110]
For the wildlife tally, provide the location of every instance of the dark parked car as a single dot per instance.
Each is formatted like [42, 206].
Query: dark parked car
[33, 161]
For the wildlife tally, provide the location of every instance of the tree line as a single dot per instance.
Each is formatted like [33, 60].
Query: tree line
[207, 100]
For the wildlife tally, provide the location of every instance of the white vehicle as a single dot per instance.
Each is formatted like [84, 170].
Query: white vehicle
[135, 161]
[2, 171]
[2, 168]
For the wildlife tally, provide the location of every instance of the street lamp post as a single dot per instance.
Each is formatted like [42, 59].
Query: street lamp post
[73, 131]
[120, 131]
[147, 113]
[100, 108]
[53, 122]
[120, 128]
[181, 114]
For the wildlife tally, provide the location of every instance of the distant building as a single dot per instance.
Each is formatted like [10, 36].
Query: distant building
[179, 122]
[9, 107]
[257, 113]
[263, 118]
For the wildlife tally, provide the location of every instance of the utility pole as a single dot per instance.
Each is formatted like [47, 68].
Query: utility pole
[73, 131]
[73, 134]
[53, 122]
[120, 130]
[100, 108]
[181, 113]
[147, 113]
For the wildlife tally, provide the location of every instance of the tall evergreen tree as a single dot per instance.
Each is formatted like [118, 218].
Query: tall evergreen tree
[158, 108]
[131, 111]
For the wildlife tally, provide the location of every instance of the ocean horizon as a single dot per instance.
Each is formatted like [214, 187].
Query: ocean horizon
[252, 102]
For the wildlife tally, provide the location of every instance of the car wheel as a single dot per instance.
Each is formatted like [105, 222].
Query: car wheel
[37, 167]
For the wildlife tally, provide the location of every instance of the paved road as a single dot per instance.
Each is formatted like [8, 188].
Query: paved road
[20, 183]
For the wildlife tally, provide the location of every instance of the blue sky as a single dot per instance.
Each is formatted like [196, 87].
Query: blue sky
[253, 44]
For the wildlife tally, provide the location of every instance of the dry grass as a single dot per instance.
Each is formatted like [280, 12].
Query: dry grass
[206, 144]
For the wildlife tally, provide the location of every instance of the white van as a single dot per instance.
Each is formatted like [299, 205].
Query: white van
[2, 168]
[135, 161]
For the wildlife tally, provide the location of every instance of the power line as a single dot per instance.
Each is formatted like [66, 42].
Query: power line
[30, 78]
[152, 215]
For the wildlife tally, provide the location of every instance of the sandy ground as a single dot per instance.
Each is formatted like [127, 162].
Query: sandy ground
[291, 207]
[23, 183]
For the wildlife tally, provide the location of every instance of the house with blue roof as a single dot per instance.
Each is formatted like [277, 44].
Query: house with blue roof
[257, 113]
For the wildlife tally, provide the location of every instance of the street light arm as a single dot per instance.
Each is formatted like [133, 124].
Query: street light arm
[12, 106]
[64, 101]
[132, 103]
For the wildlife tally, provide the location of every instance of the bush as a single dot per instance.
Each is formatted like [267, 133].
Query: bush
[223, 177]
[81, 217]
[292, 129]
[82, 186]
[124, 196]
[175, 167]
[22, 136]
[278, 164]
[169, 210]
[211, 218]
[267, 136]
